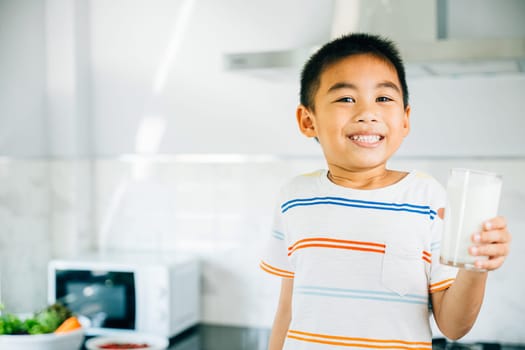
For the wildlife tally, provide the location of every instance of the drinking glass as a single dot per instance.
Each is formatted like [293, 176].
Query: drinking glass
[472, 197]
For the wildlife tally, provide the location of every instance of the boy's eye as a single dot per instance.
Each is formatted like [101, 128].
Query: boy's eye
[346, 99]
[383, 99]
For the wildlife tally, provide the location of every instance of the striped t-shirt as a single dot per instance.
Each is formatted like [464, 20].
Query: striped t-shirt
[363, 261]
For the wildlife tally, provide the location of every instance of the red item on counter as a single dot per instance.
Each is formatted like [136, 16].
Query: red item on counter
[124, 346]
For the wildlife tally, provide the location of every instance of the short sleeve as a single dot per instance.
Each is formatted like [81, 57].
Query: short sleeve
[275, 258]
[441, 276]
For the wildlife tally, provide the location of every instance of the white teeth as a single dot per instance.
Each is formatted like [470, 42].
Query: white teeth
[366, 138]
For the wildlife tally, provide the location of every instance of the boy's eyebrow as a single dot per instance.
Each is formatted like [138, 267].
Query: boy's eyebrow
[342, 85]
[346, 85]
[388, 84]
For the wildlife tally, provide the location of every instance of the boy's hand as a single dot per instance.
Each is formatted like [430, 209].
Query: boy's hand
[493, 241]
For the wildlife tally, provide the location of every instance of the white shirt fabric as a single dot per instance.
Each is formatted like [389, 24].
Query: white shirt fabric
[363, 261]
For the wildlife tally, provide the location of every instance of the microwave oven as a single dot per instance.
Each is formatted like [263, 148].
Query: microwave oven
[115, 293]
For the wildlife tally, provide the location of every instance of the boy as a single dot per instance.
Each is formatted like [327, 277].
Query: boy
[357, 245]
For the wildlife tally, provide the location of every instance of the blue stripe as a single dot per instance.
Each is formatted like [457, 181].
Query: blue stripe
[412, 208]
[357, 201]
[427, 212]
[362, 291]
[278, 235]
[398, 300]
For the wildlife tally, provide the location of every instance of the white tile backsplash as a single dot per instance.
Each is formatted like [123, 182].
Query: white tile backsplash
[221, 212]
[24, 233]
[45, 211]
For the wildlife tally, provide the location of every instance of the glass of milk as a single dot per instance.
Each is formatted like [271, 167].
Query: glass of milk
[472, 197]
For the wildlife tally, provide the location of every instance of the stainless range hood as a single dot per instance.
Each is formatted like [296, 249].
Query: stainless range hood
[435, 37]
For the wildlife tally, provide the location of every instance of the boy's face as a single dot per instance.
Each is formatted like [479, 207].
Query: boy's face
[359, 117]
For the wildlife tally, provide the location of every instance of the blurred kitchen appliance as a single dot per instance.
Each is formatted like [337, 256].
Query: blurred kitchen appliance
[453, 37]
[116, 293]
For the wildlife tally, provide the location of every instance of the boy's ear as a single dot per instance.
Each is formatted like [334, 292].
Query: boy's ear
[406, 121]
[305, 121]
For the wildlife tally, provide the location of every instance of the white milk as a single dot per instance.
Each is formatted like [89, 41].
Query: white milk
[473, 197]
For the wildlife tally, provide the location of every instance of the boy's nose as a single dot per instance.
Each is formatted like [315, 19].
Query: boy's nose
[366, 117]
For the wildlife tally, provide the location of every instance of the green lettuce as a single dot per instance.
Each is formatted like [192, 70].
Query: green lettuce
[42, 322]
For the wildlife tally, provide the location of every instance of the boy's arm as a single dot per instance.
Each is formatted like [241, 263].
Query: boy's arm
[282, 316]
[456, 308]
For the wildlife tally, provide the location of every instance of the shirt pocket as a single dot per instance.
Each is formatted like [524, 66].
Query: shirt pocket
[400, 268]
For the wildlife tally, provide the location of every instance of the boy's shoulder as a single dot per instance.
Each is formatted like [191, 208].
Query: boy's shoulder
[308, 177]
[426, 187]
[303, 182]
[424, 178]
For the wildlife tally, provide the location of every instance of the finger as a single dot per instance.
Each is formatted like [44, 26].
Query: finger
[492, 250]
[496, 223]
[491, 264]
[494, 236]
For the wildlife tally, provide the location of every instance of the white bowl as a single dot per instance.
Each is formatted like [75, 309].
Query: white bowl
[155, 342]
[63, 341]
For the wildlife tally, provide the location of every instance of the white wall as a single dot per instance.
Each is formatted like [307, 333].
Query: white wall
[205, 108]
[492, 19]
[22, 82]
[45, 87]
[68, 80]
[477, 116]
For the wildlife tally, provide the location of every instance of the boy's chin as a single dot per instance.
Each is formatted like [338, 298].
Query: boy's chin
[368, 161]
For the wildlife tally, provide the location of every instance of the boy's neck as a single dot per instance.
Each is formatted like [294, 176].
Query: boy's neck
[364, 180]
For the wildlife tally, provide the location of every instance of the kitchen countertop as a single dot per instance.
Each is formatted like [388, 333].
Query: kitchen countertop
[212, 337]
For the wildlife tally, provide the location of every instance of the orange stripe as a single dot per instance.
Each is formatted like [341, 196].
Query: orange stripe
[338, 337]
[437, 287]
[427, 253]
[274, 268]
[335, 241]
[441, 282]
[275, 271]
[356, 344]
[427, 259]
[335, 246]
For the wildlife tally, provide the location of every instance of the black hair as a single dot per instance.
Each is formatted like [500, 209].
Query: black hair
[343, 47]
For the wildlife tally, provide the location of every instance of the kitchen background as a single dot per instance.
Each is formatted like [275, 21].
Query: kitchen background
[122, 127]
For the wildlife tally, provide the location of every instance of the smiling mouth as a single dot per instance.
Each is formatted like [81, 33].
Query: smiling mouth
[367, 139]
